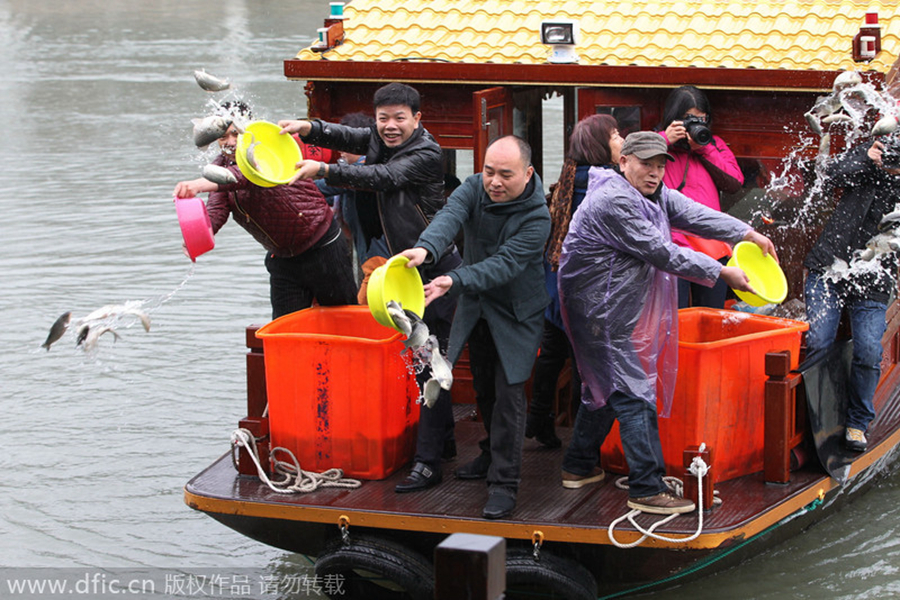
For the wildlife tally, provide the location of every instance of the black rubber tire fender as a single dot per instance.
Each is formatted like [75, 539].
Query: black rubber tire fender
[406, 569]
[552, 576]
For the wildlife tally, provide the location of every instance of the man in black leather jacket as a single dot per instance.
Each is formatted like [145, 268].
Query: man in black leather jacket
[403, 167]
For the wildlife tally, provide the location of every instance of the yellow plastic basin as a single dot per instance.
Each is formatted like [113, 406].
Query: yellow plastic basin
[276, 155]
[394, 281]
[766, 277]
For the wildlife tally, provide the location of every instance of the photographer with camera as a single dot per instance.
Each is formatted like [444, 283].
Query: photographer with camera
[870, 179]
[704, 166]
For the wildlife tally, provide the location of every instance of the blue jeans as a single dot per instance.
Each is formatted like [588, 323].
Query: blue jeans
[640, 441]
[825, 301]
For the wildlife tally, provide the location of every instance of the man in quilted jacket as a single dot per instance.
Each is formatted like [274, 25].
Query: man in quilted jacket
[307, 255]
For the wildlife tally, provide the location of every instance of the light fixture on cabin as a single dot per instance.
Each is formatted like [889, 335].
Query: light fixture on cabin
[562, 36]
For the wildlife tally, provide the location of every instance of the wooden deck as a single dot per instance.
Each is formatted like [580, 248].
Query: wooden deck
[569, 523]
[749, 504]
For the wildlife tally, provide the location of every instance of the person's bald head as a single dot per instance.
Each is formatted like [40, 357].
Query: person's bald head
[507, 168]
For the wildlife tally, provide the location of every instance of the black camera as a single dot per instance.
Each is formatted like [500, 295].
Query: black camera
[890, 156]
[697, 129]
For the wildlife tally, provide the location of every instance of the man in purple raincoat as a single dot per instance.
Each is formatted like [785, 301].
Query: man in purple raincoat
[619, 301]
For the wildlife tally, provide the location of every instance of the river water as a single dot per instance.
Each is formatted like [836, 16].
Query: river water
[96, 98]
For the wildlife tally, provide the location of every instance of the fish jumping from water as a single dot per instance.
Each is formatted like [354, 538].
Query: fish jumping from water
[211, 83]
[57, 329]
[209, 129]
[217, 174]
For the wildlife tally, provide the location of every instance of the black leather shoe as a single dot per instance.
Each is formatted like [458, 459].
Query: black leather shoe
[477, 469]
[421, 477]
[499, 506]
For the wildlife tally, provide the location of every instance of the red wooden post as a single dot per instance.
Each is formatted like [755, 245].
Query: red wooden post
[257, 401]
[691, 485]
[783, 430]
[256, 374]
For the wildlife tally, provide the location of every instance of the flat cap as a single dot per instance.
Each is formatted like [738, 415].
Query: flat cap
[645, 144]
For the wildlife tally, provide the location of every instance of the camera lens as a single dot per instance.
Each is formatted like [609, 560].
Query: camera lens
[699, 132]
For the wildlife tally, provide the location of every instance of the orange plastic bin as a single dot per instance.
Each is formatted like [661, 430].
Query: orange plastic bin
[340, 393]
[720, 391]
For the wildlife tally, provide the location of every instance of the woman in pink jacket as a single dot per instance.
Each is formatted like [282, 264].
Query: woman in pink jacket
[704, 166]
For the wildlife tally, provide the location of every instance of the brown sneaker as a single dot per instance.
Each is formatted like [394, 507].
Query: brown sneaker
[665, 503]
[573, 482]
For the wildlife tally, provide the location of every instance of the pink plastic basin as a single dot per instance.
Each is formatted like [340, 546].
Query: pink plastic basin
[195, 226]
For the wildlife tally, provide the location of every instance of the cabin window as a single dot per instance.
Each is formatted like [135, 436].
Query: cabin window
[458, 165]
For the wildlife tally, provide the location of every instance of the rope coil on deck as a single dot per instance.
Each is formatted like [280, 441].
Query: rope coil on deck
[698, 468]
[296, 480]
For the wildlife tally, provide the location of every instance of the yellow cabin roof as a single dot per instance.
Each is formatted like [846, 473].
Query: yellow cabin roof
[757, 34]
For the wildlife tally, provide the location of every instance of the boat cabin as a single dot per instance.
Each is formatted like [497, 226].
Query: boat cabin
[487, 69]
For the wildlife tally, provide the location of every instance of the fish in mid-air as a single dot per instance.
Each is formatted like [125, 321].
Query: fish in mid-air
[103, 320]
[845, 80]
[209, 129]
[837, 118]
[114, 311]
[441, 369]
[57, 329]
[419, 333]
[885, 125]
[217, 174]
[211, 83]
[430, 392]
[813, 121]
[88, 336]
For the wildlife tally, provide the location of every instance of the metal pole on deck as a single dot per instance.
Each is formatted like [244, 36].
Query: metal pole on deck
[470, 566]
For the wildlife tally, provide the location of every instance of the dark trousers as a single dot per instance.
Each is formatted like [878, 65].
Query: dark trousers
[502, 407]
[323, 273]
[555, 349]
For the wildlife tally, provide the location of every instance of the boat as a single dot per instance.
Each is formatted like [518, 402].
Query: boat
[483, 70]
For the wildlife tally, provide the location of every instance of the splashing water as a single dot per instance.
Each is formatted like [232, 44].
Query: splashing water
[837, 122]
[847, 113]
